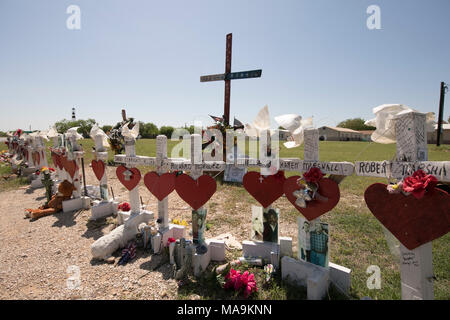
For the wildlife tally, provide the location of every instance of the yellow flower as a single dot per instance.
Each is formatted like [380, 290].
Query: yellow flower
[395, 186]
[44, 169]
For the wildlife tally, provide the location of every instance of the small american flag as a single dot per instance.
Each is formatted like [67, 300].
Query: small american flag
[129, 253]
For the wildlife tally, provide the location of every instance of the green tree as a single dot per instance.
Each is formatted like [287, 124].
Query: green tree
[166, 130]
[106, 128]
[84, 126]
[3, 134]
[355, 124]
[148, 130]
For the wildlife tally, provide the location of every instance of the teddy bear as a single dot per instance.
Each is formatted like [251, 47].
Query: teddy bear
[65, 190]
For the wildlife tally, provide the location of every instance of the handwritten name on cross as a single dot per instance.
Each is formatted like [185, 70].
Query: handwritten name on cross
[228, 76]
[416, 266]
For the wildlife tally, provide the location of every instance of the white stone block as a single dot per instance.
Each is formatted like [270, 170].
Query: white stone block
[102, 209]
[317, 285]
[156, 243]
[302, 273]
[178, 231]
[285, 246]
[36, 183]
[275, 259]
[259, 249]
[217, 248]
[340, 276]
[72, 205]
[200, 262]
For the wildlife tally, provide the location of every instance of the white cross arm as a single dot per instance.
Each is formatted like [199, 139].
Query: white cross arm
[169, 164]
[334, 168]
[386, 169]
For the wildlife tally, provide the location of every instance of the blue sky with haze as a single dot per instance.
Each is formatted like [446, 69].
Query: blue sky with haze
[318, 59]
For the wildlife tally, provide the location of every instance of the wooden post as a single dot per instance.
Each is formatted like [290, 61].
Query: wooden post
[161, 155]
[130, 151]
[441, 113]
[416, 266]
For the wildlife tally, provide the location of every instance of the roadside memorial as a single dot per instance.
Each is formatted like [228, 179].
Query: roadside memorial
[55, 204]
[414, 209]
[195, 189]
[38, 155]
[71, 161]
[131, 219]
[105, 206]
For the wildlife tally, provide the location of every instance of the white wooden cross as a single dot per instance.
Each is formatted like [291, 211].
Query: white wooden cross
[416, 266]
[163, 164]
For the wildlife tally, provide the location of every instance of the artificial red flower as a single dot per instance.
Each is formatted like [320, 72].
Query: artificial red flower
[125, 206]
[419, 183]
[246, 282]
[170, 240]
[313, 175]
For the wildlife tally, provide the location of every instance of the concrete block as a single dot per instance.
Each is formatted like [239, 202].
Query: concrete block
[36, 183]
[315, 278]
[200, 262]
[217, 248]
[340, 276]
[156, 243]
[275, 259]
[178, 231]
[102, 209]
[285, 246]
[259, 249]
[317, 285]
[72, 205]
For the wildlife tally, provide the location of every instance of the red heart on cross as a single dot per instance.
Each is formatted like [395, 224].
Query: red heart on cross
[264, 189]
[69, 165]
[58, 161]
[98, 166]
[160, 185]
[315, 208]
[36, 157]
[133, 178]
[412, 221]
[195, 192]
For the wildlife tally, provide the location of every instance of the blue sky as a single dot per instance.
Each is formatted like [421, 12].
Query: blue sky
[318, 59]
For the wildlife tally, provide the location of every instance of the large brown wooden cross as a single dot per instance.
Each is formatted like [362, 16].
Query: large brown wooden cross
[228, 76]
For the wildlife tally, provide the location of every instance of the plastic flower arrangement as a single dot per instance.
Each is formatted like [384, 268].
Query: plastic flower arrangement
[417, 184]
[244, 282]
[170, 240]
[47, 181]
[180, 222]
[124, 206]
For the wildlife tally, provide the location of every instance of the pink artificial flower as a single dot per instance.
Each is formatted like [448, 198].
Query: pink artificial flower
[231, 278]
[246, 281]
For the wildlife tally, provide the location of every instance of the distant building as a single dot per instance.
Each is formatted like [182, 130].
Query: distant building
[366, 134]
[445, 136]
[339, 134]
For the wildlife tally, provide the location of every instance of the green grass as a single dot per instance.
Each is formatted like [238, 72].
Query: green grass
[11, 183]
[357, 239]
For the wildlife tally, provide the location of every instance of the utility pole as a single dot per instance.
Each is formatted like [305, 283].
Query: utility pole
[444, 89]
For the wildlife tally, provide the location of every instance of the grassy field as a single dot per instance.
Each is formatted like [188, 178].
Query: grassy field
[357, 239]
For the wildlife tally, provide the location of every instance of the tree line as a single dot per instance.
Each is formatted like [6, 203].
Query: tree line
[147, 130]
